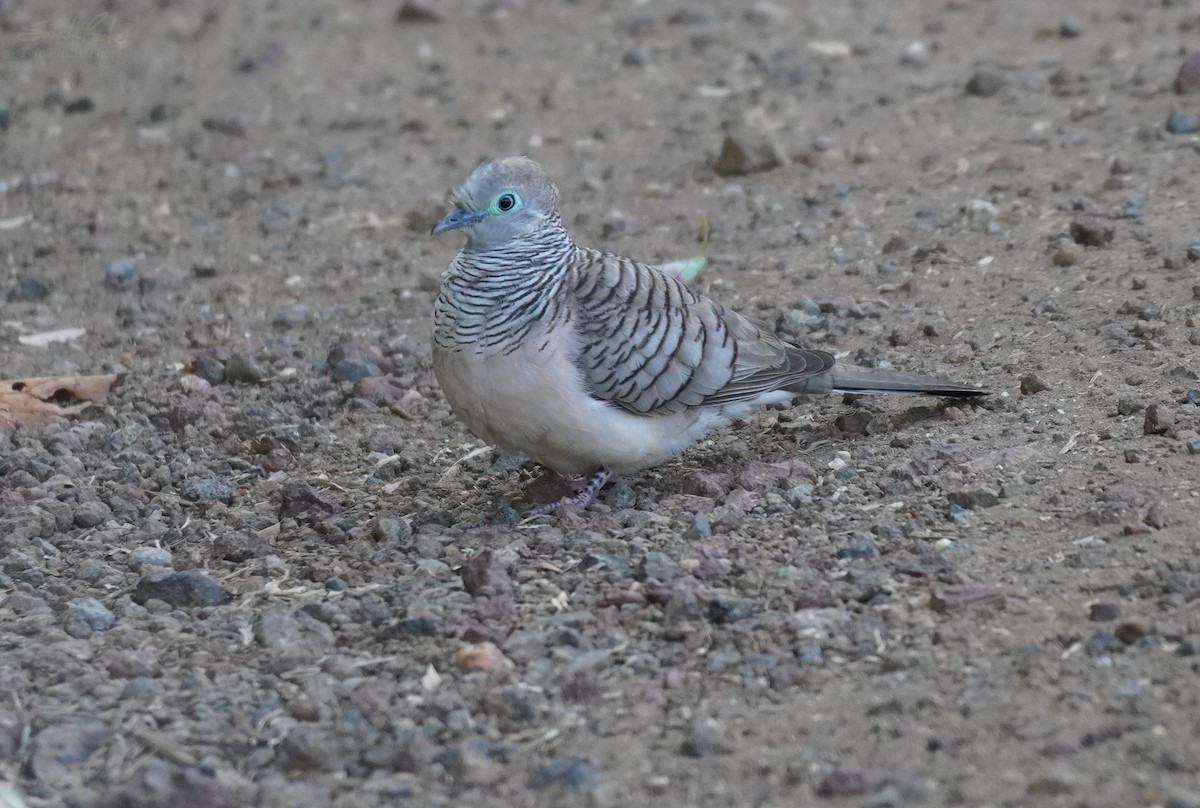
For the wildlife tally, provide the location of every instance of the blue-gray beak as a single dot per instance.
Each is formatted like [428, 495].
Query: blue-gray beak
[456, 219]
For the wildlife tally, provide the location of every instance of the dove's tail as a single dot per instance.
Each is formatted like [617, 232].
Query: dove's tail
[869, 381]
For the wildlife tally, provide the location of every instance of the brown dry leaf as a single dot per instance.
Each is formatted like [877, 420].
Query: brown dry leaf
[38, 398]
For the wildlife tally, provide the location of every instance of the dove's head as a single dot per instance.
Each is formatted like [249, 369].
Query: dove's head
[501, 201]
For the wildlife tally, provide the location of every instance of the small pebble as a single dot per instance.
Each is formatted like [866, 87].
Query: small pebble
[135, 662]
[228, 126]
[699, 528]
[482, 656]
[390, 529]
[351, 370]
[121, 271]
[620, 496]
[861, 549]
[974, 498]
[377, 390]
[1159, 419]
[724, 611]
[243, 369]
[1091, 232]
[507, 516]
[985, 83]
[86, 617]
[191, 588]
[142, 689]
[1187, 81]
[29, 289]
[721, 661]
[91, 514]
[210, 489]
[1129, 405]
[961, 516]
[842, 783]
[708, 738]
[1102, 643]
[294, 315]
[809, 655]
[568, 773]
[1069, 29]
[1130, 631]
[79, 105]
[658, 566]
[418, 12]
[1180, 123]
[209, 368]
[746, 154]
[142, 557]
[616, 566]
[63, 745]
[1104, 612]
[205, 268]
[1065, 257]
[1032, 383]
[1193, 445]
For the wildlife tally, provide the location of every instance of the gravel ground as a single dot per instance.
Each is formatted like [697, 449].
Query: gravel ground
[271, 569]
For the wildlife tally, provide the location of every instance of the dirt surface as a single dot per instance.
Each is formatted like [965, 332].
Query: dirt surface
[251, 577]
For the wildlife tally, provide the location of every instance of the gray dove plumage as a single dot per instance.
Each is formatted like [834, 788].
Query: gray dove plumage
[594, 364]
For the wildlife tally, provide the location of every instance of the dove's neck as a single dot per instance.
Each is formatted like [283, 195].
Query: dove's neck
[490, 299]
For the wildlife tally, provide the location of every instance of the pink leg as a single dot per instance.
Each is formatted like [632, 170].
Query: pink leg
[585, 497]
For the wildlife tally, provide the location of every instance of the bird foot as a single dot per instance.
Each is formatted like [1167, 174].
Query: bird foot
[586, 496]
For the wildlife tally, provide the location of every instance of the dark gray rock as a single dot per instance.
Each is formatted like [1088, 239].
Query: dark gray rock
[657, 566]
[859, 549]
[974, 498]
[64, 745]
[209, 368]
[1091, 232]
[699, 528]
[1180, 123]
[568, 773]
[159, 784]
[135, 663]
[960, 515]
[1159, 419]
[1032, 383]
[91, 514]
[418, 12]
[723, 611]
[621, 496]
[293, 632]
[183, 590]
[142, 689]
[244, 369]
[708, 738]
[985, 83]
[121, 272]
[210, 489]
[29, 289]
[143, 557]
[1187, 81]
[87, 616]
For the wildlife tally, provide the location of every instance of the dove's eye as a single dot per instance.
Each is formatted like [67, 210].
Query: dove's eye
[506, 201]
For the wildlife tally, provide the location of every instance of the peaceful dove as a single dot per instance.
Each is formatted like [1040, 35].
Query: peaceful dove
[593, 364]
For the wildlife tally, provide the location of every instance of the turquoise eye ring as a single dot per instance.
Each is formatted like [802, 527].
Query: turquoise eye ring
[506, 201]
